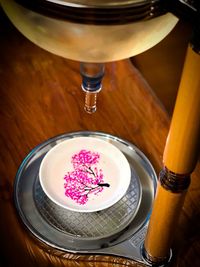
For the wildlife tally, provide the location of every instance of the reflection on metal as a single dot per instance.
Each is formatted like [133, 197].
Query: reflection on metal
[89, 42]
[155, 261]
[118, 230]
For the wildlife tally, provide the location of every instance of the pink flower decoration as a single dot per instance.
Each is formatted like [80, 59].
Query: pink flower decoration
[85, 179]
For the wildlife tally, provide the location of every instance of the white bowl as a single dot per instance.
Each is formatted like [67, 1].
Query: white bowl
[85, 174]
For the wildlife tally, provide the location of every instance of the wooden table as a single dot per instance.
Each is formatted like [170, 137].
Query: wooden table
[40, 97]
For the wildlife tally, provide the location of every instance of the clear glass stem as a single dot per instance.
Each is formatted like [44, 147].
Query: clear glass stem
[92, 75]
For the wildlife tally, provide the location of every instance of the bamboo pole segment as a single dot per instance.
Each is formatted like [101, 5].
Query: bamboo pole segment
[180, 156]
[182, 143]
[162, 224]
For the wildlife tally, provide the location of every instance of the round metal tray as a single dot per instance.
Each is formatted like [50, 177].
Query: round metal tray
[74, 231]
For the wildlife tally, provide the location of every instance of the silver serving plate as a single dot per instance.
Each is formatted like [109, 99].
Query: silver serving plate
[118, 230]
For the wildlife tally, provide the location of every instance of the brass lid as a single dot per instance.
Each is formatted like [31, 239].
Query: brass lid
[99, 12]
[98, 3]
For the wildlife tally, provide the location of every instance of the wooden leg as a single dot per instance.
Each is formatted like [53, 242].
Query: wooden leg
[180, 157]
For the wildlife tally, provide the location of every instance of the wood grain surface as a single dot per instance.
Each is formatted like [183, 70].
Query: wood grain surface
[40, 97]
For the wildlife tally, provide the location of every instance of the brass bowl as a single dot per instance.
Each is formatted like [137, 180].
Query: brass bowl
[91, 31]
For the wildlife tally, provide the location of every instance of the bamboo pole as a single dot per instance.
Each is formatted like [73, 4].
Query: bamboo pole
[180, 157]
